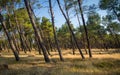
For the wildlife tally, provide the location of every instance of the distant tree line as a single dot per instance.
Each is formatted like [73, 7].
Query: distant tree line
[22, 30]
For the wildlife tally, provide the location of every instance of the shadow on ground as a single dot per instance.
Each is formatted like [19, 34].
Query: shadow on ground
[37, 66]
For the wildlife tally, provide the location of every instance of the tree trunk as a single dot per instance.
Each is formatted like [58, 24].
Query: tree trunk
[72, 44]
[79, 26]
[37, 35]
[84, 40]
[77, 15]
[54, 31]
[68, 23]
[104, 44]
[9, 39]
[38, 46]
[117, 43]
[118, 17]
[50, 44]
[12, 33]
[86, 32]
[20, 33]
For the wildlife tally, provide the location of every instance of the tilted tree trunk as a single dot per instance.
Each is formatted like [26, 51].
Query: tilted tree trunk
[118, 17]
[68, 23]
[38, 46]
[41, 32]
[12, 33]
[39, 28]
[117, 40]
[79, 25]
[72, 41]
[77, 15]
[20, 34]
[50, 44]
[19, 31]
[26, 43]
[1, 47]
[115, 37]
[117, 43]
[9, 39]
[37, 34]
[30, 42]
[85, 28]
[72, 44]
[54, 31]
[47, 45]
[102, 38]
[84, 40]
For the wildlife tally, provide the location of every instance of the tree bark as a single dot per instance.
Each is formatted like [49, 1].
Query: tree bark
[37, 34]
[85, 28]
[68, 23]
[54, 31]
[12, 33]
[9, 39]
[72, 44]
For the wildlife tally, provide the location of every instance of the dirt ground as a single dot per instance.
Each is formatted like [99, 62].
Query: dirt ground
[102, 63]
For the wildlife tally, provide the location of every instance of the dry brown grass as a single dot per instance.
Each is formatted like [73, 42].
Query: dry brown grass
[33, 64]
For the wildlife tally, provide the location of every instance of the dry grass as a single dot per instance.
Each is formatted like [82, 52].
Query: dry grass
[33, 64]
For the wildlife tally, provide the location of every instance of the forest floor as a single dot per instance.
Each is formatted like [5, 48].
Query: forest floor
[102, 63]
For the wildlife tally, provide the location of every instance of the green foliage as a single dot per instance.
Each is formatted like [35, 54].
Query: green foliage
[70, 3]
[23, 21]
[113, 6]
[3, 3]
[95, 30]
[46, 27]
[110, 25]
[108, 4]
[93, 18]
[106, 64]
[64, 35]
[114, 27]
[35, 4]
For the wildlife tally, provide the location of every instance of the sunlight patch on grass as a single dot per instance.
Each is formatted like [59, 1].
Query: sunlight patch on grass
[100, 64]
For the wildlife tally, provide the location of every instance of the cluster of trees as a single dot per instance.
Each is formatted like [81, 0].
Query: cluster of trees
[20, 29]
